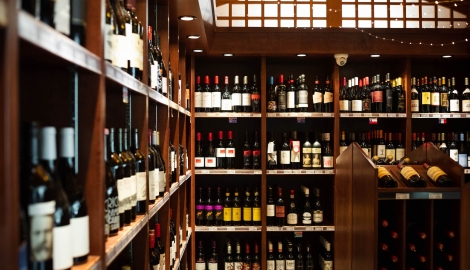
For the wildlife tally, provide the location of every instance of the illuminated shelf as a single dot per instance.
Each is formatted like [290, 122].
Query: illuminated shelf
[222, 171]
[300, 114]
[157, 97]
[93, 263]
[228, 228]
[428, 193]
[153, 209]
[374, 115]
[223, 114]
[125, 79]
[440, 115]
[321, 172]
[321, 228]
[184, 177]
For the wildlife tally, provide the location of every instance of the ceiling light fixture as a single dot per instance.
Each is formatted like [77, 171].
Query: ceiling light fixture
[198, 50]
[187, 18]
[301, 54]
[375, 55]
[446, 56]
[193, 36]
[228, 54]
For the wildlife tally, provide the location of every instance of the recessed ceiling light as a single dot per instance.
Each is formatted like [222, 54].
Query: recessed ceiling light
[301, 54]
[187, 18]
[446, 56]
[228, 54]
[375, 55]
[193, 36]
[198, 50]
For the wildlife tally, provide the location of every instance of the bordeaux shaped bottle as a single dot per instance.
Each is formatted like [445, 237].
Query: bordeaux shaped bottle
[116, 166]
[209, 209]
[280, 209]
[247, 209]
[272, 153]
[280, 259]
[198, 95]
[412, 178]
[256, 216]
[218, 209]
[216, 95]
[127, 181]
[306, 208]
[270, 260]
[317, 95]
[292, 212]
[228, 260]
[212, 262]
[200, 205]
[255, 96]
[285, 153]
[172, 161]
[236, 96]
[438, 176]
[246, 95]
[237, 260]
[295, 151]
[236, 209]
[226, 97]
[159, 246]
[210, 156]
[256, 153]
[111, 203]
[153, 170]
[160, 163]
[141, 174]
[306, 153]
[317, 208]
[247, 258]
[230, 151]
[247, 153]
[281, 95]
[227, 209]
[199, 155]
[291, 93]
[200, 258]
[272, 96]
[220, 151]
[133, 166]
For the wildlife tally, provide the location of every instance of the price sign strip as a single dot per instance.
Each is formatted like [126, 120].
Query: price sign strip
[240, 172]
[300, 228]
[419, 195]
[223, 114]
[228, 228]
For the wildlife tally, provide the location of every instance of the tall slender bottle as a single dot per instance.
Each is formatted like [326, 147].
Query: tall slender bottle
[120, 40]
[307, 153]
[209, 209]
[466, 97]
[270, 260]
[280, 209]
[160, 164]
[435, 96]
[246, 95]
[327, 96]
[255, 96]
[159, 245]
[327, 156]
[236, 96]
[220, 151]
[135, 57]
[206, 95]
[256, 208]
[280, 259]
[306, 208]
[454, 100]
[127, 181]
[227, 209]
[256, 152]
[317, 208]
[210, 155]
[272, 96]
[172, 162]
[200, 205]
[291, 93]
[153, 170]
[247, 155]
[212, 262]
[281, 95]
[198, 95]
[133, 167]
[230, 151]
[270, 209]
[218, 209]
[117, 169]
[272, 153]
[295, 151]
[226, 97]
[236, 209]
[377, 96]
[109, 28]
[414, 96]
[141, 206]
[388, 90]
[216, 95]
[228, 260]
[111, 203]
[285, 153]
[292, 217]
[247, 209]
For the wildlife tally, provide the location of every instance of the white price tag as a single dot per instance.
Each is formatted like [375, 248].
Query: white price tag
[230, 171]
[367, 114]
[402, 115]
[258, 172]
[344, 114]
[251, 228]
[402, 196]
[424, 115]
[308, 228]
[382, 115]
[205, 171]
[467, 171]
[434, 196]
[392, 115]
[327, 114]
[456, 115]
[330, 228]
[212, 229]
[289, 228]
[436, 115]
[317, 228]
[446, 116]
[230, 228]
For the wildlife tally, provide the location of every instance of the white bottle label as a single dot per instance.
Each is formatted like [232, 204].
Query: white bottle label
[164, 84]
[435, 98]
[327, 162]
[465, 105]
[62, 247]
[154, 70]
[201, 266]
[328, 265]
[210, 162]
[366, 151]
[62, 17]
[399, 153]
[357, 105]
[290, 99]
[136, 50]
[80, 236]
[307, 218]
[290, 264]
[246, 99]
[317, 97]
[133, 190]
[156, 184]
[162, 261]
[270, 210]
[344, 105]
[206, 99]
[212, 266]
[236, 99]
[197, 99]
[121, 45]
[238, 265]
[162, 183]
[415, 105]
[454, 154]
[317, 216]
[270, 265]
[220, 152]
[303, 98]
[228, 266]
[140, 59]
[285, 157]
[156, 267]
[230, 152]
[108, 43]
[199, 162]
[41, 225]
[127, 193]
[226, 105]
[129, 43]
[121, 195]
[280, 265]
[328, 97]
[173, 161]
[463, 160]
[292, 219]
[142, 186]
[215, 100]
[454, 105]
[381, 151]
[390, 152]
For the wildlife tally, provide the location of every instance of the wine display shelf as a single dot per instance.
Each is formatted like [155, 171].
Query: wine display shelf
[125, 79]
[421, 194]
[184, 178]
[314, 228]
[48, 39]
[228, 172]
[375, 115]
[440, 115]
[301, 172]
[300, 114]
[153, 208]
[93, 263]
[228, 228]
[224, 114]
[182, 250]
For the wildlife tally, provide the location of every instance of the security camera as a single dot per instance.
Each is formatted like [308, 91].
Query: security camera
[341, 59]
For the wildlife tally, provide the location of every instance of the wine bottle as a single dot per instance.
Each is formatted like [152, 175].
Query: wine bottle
[280, 209]
[218, 209]
[292, 218]
[159, 246]
[343, 98]
[209, 209]
[270, 260]
[133, 166]
[342, 143]
[246, 95]
[111, 203]
[237, 260]
[317, 208]
[399, 148]
[316, 153]
[198, 95]
[62, 231]
[141, 174]
[307, 153]
[454, 102]
[236, 209]
[256, 153]
[216, 96]
[281, 95]
[200, 258]
[120, 38]
[128, 179]
[213, 260]
[466, 97]
[290, 259]
[309, 262]
[302, 95]
[328, 96]
[172, 239]
[227, 209]
[443, 96]
[425, 96]
[452, 147]
[317, 96]
[133, 41]
[327, 152]
[160, 163]
[230, 152]
[412, 178]
[390, 148]
[285, 153]
[270, 209]
[117, 169]
[79, 220]
[181, 158]
[256, 260]
[388, 91]
[200, 205]
[153, 170]
[256, 208]
[226, 97]
[435, 96]
[154, 256]
[307, 208]
[247, 209]
[291, 92]
[377, 96]
[206, 95]
[199, 159]
[280, 260]
[229, 259]
[295, 151]
[463, 152]
[172, 161]
[272, 96]
[247, 153]
[272, 153]
[255, 96]
[438, 176]
[236, 96]
[109, 28]
[210, 156]
[247, 258]
[414, 96]
[169, 83]
[385, 178]
[356, 100]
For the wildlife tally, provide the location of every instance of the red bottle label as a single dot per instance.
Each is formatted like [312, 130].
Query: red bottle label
[280, 211]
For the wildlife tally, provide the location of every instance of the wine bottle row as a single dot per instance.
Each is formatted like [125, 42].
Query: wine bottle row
[380, 96]
[236, 210]
[157, 250]
[291, 256]
[293, 155]
[300, 212]
[222, 156]
[434, 96]
[413, 179]
[454, 144]
[241, 98]
[53, 200]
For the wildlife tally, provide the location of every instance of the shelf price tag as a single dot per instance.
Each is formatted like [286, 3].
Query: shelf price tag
[230, 171]
[367, 114]
[317, 228]
[327, 114]
[308, 228]
[212, 228]
[402, 196]
[125, 95]
[230, 228]
[289, 228]
[232, 120]
[434, 196]
[251, 228]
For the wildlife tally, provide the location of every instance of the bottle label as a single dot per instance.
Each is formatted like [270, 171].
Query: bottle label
[108, 43]
[226, 105]
[435, 98]
[415, 105]
[454, 105]
[317, 97]
[236, 214]
[454, 154]
[425, 98]
[173, 161]
[343, 105]
[41, 225]
[290, 264]
[295, 152]
[280, 265]
[209, 212]
[317, 216]
[133, 195]
[307, 157]
[127, 193]
[246, 99]
[270, 265]
[227, 214]
[165, 85]
[200, 266]
[255, 266]
[285, 157]
[197, 99]
[366, 151]
[366, 105]
[210, 162]
[121, 51]
[390, 152]
[357, 105]
[465, 105]
[228, 266]
[271, 212]
[306, 218]
[212, 266]
[328, 265]
[327, 162]
[290, 100]
[215, 102]
[272, 106]
[292, 219]
[316, 158]
[236, 99]
[280, 211]
[281, 100]
[80, 236]
[62, 16]
[141, 192]
[200, 213]
[381, 151]
[154, 76]
[246, 266]
[62, 243]
[247, 214]
[342, 148]
[272, 158]
[256, 158]
[199, 162]
[463, 159]
[270, 147]
[256, 214]
[303, 98]
[115, 46]
[136, 50]
[219, 212]
[129, 45]
[162, 183]
[377, 96]
[220, 152]
[112, 212]
[328, 97]
[153, 184]
[207, 100]
[230, 152]
[444, 99]
[399, 153]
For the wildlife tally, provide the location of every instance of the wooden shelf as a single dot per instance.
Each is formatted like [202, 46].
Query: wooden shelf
[177, 264]
[116, 244]
[174, 187]
[300, 114]
[48, 39]
[125, 79]
[374, 115]
[185, 243]
[153, 209]
[234, 171]
[228, 228]
[184, 178]
[440, 115]
[154, 95]
[224, 114]
[301, 172]
[315, 228]
[93, 263]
